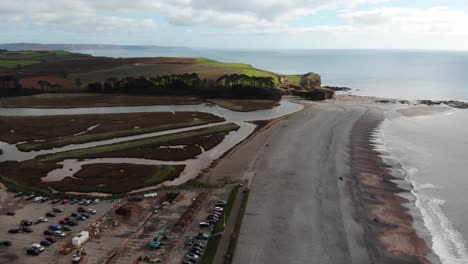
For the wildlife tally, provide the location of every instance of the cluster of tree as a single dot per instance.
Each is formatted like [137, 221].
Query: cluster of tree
[227, 86]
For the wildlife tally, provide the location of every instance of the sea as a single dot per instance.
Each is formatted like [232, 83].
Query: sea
[432, 149]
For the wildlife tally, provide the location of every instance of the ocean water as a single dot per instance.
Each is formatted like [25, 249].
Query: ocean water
[432, 149]
[384, 73]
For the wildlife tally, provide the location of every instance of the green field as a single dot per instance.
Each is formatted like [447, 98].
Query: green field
[294, 79]
[11, 64]
[214, 63]
[260, 73]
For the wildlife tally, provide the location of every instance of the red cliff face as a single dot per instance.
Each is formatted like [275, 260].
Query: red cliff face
[311, 80]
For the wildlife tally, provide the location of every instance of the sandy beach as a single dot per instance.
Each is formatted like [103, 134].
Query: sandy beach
[320, 193]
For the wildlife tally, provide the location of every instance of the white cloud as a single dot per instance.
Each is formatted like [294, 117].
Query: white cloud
[440, 20]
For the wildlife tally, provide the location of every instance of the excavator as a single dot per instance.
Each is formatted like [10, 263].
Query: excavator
[157, 240]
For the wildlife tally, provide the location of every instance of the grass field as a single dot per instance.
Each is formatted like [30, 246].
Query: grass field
[11, 64]
[294, 79]
[214, 63]
[260, 73]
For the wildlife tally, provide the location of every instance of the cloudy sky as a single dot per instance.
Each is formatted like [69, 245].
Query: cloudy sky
[272, 24]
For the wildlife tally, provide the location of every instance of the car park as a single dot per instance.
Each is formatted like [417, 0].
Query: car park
[59, 233]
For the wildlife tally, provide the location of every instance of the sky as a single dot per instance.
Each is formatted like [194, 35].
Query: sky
[240, 24]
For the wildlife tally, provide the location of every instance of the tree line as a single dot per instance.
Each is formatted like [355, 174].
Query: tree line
[226, 86]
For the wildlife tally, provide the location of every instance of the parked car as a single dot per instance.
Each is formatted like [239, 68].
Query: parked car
[41, 248]
[196, 252]
[220, 205]
[45, 243]
[37, 199]
[67, 228]
[26, 229]
[82, 202]
[14, 230]
[216, 213]
[57, 210]
[67, 219]
[81, 209]
[198, 247]
[55, 201]
[18, 194]
[81, 218]
[48, 233]
[55, 227]
[72, 223]
[202, 236]
[85, 215]
[192, 256]
[44, 199]
[51, 239]
[96, 201]
[59, 233]
[10, 213]
[65, 201]
[42, 220]
[50, 214]
[5, 243]
[74, 201]
[88, 202]
[30, 197]
[213, 217]
[63, 222]
[26, 223]
[91, 211]
[75, 214]
[221, 201]
[218, 209]
[33, 251]
[204, 224]
[211, 221]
